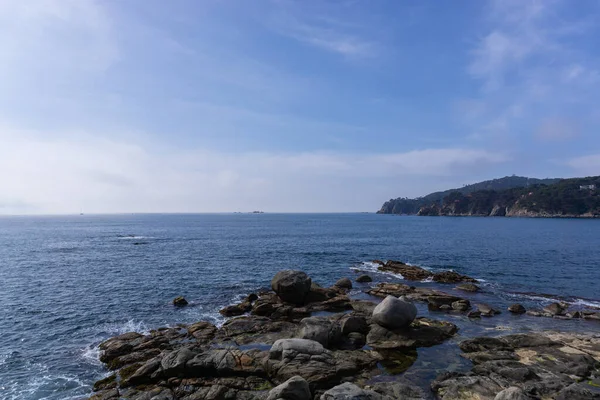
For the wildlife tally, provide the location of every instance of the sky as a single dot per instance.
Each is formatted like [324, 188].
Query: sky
[288, 106]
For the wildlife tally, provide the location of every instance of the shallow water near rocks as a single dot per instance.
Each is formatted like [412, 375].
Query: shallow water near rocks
[68, 283]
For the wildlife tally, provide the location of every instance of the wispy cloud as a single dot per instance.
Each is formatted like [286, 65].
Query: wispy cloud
[532, 77]
[585, 165]
[322, 27]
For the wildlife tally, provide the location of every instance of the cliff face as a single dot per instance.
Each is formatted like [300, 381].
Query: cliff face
[579, 197]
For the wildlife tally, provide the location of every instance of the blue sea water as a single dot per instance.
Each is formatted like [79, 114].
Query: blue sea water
[69, 282]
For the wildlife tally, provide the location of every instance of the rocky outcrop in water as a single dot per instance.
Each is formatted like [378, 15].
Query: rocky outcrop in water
[278, 349]
[414, 273]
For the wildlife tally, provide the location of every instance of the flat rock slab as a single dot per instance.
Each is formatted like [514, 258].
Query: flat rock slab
[540, 365]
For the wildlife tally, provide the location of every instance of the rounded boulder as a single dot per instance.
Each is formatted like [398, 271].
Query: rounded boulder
[394, 313]
[291, 286]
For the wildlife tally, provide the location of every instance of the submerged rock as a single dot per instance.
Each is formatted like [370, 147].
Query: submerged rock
[364, 279]
[486, 310]
[291, 286]
[468, 287]
[423, 332]
[394, 313]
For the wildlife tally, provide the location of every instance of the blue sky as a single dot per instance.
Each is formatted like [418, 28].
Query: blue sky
[297, 106]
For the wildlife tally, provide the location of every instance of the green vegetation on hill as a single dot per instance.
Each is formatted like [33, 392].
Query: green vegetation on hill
[510, 196]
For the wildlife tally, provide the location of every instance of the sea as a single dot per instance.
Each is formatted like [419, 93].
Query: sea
[69, 282]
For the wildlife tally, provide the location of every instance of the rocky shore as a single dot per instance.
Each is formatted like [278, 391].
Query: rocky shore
[301, 341]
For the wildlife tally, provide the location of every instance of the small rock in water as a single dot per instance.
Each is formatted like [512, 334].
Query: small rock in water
[393, 313]
[474, 314]
[556, 308]
[487, 311]
[364, 279]
[461, 305]
[180, 301]
[295, 388]
[344, 283]
[517, 309]
[468, 287]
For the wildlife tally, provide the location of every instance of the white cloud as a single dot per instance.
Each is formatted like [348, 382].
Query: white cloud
[585, 165]
[42, 173]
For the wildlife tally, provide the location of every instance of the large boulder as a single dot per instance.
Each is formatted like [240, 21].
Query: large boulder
[295, 388]
[291, 286]
[393, 313]
[349, 391]
[320, 329]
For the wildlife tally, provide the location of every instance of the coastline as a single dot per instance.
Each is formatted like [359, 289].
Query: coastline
[331, 337]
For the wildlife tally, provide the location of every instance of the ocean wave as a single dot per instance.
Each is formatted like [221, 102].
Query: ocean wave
[369, 266]
[549, 298]
[131, 237]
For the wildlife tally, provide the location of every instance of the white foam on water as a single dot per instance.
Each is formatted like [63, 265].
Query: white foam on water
[130, 237]
[368, 266]
[91, 355]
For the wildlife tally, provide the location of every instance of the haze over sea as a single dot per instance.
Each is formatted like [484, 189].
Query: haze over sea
[68, 282]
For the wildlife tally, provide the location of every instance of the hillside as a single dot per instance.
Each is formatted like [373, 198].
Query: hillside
[563, 198]
[412, 206]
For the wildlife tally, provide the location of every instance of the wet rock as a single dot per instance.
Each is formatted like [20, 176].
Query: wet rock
[555, 308]
[363, 307]
[474, 314]
[109, 382]
[394, 313]
[461, 305]
[445, 307]
[579, 392]
[364, 279]
[110, 394]
[344, 283]
[517, 309]
[320, 329]
[486, 310]
[468, 287]
[295, 388]
[423, 332]
[241, 308]
[408, 272]
[291, 286]
[435, 302]
[180, 301]
[353, 341]
[349, 391]
[452, 277]
[512, 393]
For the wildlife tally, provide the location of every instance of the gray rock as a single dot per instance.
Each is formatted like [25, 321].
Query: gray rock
[364, 279]
[295, 388]
[354, 324]
[283, 348]
[349, 391]
[291, 286]
[344, 283]
[393, 313]
[512, 393]
[320, 329]
[175, 361]
[486, 310]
